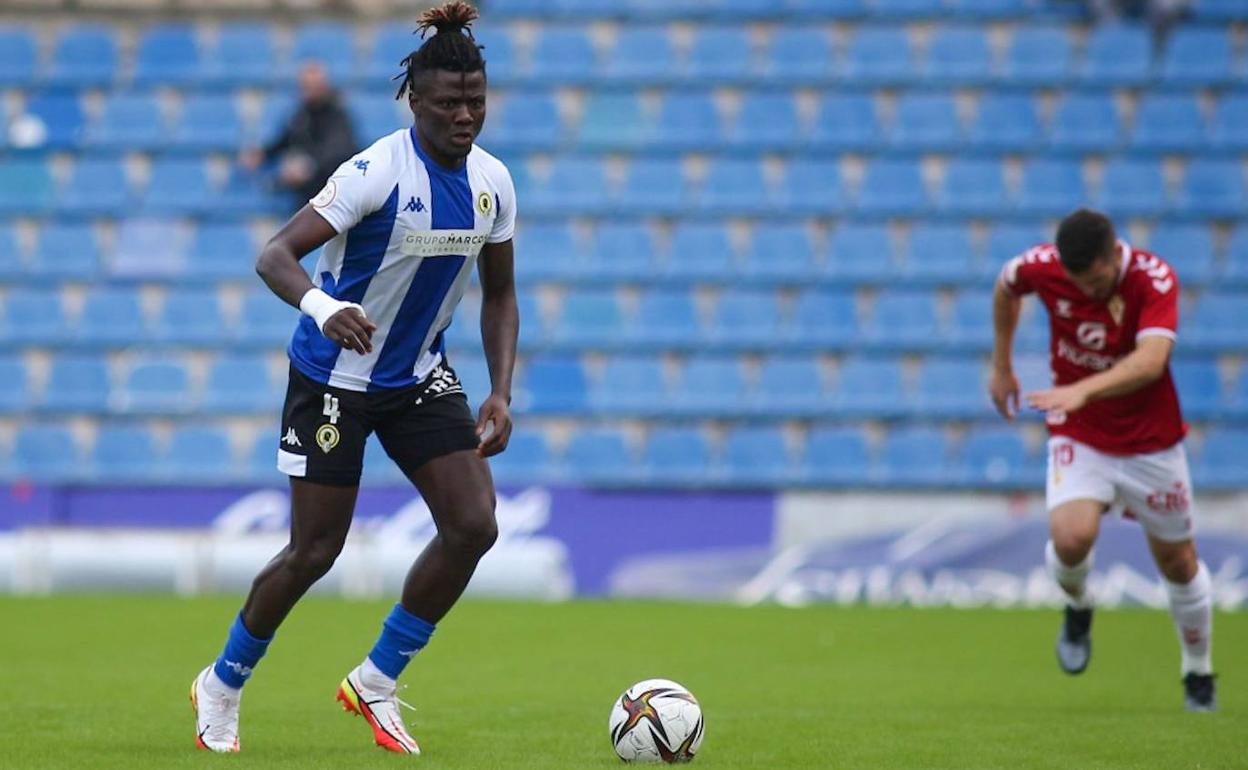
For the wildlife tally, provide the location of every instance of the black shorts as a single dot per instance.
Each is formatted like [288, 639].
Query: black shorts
[324, 428]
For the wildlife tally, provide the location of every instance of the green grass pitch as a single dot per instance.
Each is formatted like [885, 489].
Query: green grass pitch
[101, 682]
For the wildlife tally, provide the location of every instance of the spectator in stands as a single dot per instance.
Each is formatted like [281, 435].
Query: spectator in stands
[317, 138]
[1162, 14]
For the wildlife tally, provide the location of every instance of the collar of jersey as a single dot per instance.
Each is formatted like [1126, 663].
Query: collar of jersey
[432, 166]
[1123, 246]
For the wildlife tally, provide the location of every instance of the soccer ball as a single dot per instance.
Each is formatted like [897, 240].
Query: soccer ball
[656, 721]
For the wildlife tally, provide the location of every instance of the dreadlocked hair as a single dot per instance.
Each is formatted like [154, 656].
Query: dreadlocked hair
[452, 46]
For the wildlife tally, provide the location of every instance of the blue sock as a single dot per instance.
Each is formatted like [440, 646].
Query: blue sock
[241, 654]
[402, 636]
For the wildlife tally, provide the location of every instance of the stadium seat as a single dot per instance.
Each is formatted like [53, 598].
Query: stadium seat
[700, 251]
[390, 46]
[599, 456]
[836, 455]
[756, 456]
[1007, 122]
[1216, 323]
[642, 55]
[781, 253]
[869, 387]
[200, 454]
[1198, 56]
[926, 122]
[34, 317]
[25, 187]
[66, 252]
[1212, 188]
[330, 43]
[1133, 187]
[208, 122]
[735, 186]
[240, 384]
[789, 386]
[958, 55]
[265, 319]
[192, 316]
[148, 249]
[1118, 55]
[15, 394]
[46, 453]
[613, 121]
[880, 55]
[892, 188]
[77, 383]
[903, 318]
[1221, 459]
[1188, 248]
[62, 118]
[745, 317]
[824, 318]
[766, 122]
[846, 121]
[222, 252]
[940, 254]
[951, 388]
[562, 55]
[913, 455]
[527, 460]
[860, 253]
[500, 55]
[995, 457]
[528, 121]
[178, 187]
[676, 456]
[631, 384]
[622, 251]
[168, 54]
[1008, 240]
[1051, 187]
[1200, 387]
[1169, 122]
[589, 317]
[688, 121]
[799, 55]
[812, 187]
[576, 186]
[1229, 130]
[18, 55]
[720, 55]
[122, 454]
[111, 316]
[555, 242]
[971, 321]
[12, 256]
[710, 386]
[907, 9]
[96, 187]
[1236, 270]
[156, 386]
[1037, 56]
[243, 56]
[1085, 123]
[553, 384]
[131, 122]
[974, 187]
[1219, 10]
[654, 186]
[377, 114]
[807, 10]
[84, 56]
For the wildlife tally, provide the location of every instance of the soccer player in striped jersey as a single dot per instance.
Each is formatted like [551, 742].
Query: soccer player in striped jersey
[402, 224]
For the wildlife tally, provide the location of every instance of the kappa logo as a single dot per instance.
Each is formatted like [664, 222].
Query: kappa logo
[238, 668]
[362, 165]
[415, 204]
[291, 438]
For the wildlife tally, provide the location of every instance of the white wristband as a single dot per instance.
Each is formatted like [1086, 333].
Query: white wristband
[322, 307]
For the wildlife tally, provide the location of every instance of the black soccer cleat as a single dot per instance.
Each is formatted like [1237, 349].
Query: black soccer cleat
[1198, 692]
[1074, 643]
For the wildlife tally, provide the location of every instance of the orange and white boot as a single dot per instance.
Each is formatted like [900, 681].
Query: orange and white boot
[380, 708]
[216, 713]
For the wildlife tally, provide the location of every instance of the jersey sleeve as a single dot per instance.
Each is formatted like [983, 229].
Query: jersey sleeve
[1020, 273]
[356, 189]
[1159, 308]
[505, 220]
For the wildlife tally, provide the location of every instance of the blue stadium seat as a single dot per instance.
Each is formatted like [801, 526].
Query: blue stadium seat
[599, 456]
[1212, 188]
[926, 121]
[781, 252]
[200, 454]
[736, 186]
[12, 255]
[860, 253]
[789, 386]
[710, 385]
[62, 118]
[148, 249]
[178, 186]
[122, 454]
[25, 187]
[562, 55]
[1007, 122]
[913, 455]
[995, 457]
[989, 9]
[66, 252]
[700, 251]
[846, 122]
[613, 121]
[1188, 248]
[15, 395]
[622, 251]
[631, 384]
[905, 318]
[756, 456]
[880, 55]
[130, 122]
[576, 186]
[892, 188]
[84, 56]
[528, 121]
[192, 316]
[1038, 56]
[111, 316]
[869, 387]
[1198, 56]
[77, 383]
[391, 45]
[376, 114]
[222, 251]
[500, 55]
[553, 384]
[766, 122]
[555, 241]
[824, 318]
[688, 121]
[720, 54]
[1238, 402]
[1200, 387]
[243, 56]
[208, 122]
[642, 55]
[168, 54]
[156, 386]
[971, 321]
[940, 254]
[1229, 130]
[526, 461]
[330, 43]
[958, 55]
[1169, 122]
[46, 453]
[1118, 55]
[974, 187]
[1085, 123]
[907, 9]
[676, 456]
[265, 319]
[1008, 240]
[1216, 323]
[590, 317]
[240, 384]
[836, 455]
[1133, 187]
[800, 55]
[96, 187]
[807, 10]
[1221, 460]
[34, 317]
[951, 388]
[1220, 10]
[1236, 270]
[746, 318]
[1051, 187]
[812, 187]
[18, 55]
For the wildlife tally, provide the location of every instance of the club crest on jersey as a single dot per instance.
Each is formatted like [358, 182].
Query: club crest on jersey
[327, 437]
[485, 202]
[1116, 307]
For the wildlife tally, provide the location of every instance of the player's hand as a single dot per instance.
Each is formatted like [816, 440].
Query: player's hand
[1067, 399]
[350, 329]
[494, 416]
[1003, 387]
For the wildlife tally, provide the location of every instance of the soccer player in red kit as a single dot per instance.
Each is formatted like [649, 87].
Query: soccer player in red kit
[1116, 433]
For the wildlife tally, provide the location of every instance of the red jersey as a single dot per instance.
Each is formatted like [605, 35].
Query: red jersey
[1088, 336]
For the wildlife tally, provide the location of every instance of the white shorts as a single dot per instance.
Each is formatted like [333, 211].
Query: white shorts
[1154, 488]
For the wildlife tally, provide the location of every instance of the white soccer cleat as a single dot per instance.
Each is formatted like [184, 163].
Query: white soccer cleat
[381, 710]
[216, 715]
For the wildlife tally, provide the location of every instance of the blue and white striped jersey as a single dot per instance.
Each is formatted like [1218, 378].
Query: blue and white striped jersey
[409, 232]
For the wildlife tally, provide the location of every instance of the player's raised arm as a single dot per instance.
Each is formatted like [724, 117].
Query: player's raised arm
[1002, 383]
[1143, 366]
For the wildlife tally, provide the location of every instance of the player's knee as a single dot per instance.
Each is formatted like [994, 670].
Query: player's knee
[1073, 545]
[1178, 565]
[313, 560]
[474, 532]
